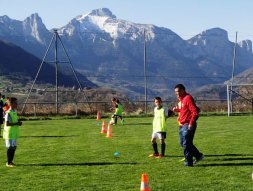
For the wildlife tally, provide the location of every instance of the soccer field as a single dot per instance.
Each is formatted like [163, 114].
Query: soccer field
[72, 154]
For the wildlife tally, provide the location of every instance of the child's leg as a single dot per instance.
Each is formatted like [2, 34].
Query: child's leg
[154, 145]
[115, 119]
[163, 147]
[9, 153]
[13, 153]
[11, 148]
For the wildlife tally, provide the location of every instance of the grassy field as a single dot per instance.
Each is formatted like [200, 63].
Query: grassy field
[73, 155]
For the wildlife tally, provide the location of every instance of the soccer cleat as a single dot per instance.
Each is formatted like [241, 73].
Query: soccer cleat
[199, 159]
[122, 121]
[159, 157]
[187, 164]
[153, 155]
[10, 164]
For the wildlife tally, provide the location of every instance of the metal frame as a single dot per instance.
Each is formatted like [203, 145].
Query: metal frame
[56, 61]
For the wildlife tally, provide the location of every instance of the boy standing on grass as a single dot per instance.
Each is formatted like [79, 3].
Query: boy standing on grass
[11, 131]
[159, 128]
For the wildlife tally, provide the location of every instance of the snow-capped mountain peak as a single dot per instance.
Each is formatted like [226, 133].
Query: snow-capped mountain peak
[210, 36]
[103, 12]
[97, 16]
[104, 21]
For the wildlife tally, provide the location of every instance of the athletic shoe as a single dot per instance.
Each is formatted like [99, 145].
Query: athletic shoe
[188, 164]
[122, 121]
[159, 157]
[199, 159]
[153, 155]
[10, 164]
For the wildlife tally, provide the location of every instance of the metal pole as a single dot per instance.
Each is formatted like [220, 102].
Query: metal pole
[251, 106]
[34, 110]
[73, 70]
[233, 72]
[56, 73]
[23, 109]
[228, 99]
[145, 74]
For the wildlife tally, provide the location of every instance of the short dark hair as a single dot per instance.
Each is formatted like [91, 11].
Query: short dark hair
[158, 98]
[180, 86]
[13, 99]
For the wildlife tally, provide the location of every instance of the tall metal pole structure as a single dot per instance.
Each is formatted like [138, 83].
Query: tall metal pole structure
[56, 61]
[41, 64]
[56, 73]
[145, 74]
[232, 78]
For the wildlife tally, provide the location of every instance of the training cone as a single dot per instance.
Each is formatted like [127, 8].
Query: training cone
[109, 131]
[103, 129]
[98, 115]
[144, 183]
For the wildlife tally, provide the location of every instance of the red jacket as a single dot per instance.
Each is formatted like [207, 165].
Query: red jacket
[189, 111]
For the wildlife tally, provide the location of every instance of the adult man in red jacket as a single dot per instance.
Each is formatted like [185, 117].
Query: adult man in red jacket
[189, 114]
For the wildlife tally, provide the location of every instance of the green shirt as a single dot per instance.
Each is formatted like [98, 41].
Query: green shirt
[119, 110]
[159, 120]
[11, 132]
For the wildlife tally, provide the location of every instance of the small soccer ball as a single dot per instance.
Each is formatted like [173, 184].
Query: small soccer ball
[117, 154]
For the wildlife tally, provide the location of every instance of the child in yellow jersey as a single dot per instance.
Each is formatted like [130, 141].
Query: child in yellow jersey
[11, 131]
[118, 112]
[159, 128]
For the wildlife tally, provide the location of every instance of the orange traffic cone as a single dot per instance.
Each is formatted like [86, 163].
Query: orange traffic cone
[98, 115]
[109, 131]
[103, 130]
[144, 183]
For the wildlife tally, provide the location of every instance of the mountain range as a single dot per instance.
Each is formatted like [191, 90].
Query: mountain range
[111, 52]
[21, 67]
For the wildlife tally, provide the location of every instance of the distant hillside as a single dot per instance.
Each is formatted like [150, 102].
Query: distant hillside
[21, 67]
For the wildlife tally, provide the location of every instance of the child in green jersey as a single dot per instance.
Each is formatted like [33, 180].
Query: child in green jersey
[159, 128]
[11, 131]
[118, 111]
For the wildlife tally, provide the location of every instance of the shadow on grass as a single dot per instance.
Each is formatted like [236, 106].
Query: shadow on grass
[81, 164]
[49, 136]
[235, 159]
[229, 155]
[225, 164]
[246, 160]
[138, 124]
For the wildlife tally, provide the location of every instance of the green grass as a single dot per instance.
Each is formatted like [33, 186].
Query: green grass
[73, 155]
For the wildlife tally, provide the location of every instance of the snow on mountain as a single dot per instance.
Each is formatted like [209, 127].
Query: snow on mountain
[209, 37]
[103, 21]
[32, 28]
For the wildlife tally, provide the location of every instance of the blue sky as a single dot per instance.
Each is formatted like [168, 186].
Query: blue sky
[185, 17]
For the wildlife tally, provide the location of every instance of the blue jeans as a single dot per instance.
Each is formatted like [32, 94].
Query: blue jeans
[186, 141]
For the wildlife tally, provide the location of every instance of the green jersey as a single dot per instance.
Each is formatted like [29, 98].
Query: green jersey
[159, 120]
[11, 132]
[119, 110]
